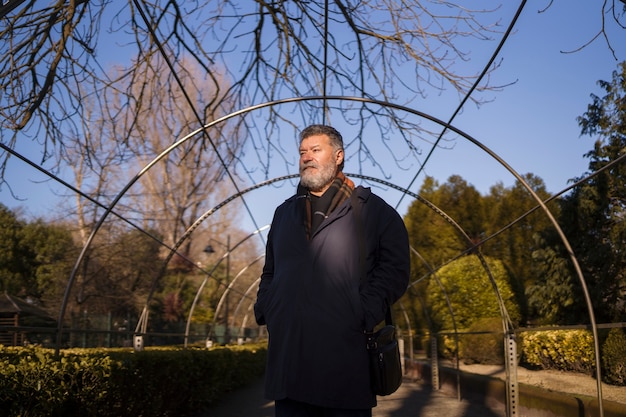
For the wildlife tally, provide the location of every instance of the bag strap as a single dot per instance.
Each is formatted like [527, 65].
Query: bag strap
[356, 207]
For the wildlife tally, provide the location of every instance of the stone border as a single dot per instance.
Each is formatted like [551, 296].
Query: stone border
[535, 401]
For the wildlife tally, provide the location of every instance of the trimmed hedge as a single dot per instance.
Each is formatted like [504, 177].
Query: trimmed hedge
[121, 382]
[564, 350]
[486, 344]
[614, 358]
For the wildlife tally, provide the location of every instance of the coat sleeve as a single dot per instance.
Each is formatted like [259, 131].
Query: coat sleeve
[388, 262]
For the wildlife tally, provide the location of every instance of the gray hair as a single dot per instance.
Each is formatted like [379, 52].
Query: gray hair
[336, 140]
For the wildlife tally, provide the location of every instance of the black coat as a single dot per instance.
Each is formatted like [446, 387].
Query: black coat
[315, 310]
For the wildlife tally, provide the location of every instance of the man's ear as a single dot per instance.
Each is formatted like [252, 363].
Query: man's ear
[339, 157]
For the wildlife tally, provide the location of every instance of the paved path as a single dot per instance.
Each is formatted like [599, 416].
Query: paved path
[413, 399]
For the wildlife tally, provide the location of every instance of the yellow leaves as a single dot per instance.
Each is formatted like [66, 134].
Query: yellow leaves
[566, 350]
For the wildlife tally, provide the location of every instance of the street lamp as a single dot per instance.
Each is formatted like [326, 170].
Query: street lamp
[209, 249]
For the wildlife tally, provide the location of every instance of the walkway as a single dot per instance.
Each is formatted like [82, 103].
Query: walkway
[413, 399]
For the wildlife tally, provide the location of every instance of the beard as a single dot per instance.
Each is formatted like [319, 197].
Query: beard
[316, 180]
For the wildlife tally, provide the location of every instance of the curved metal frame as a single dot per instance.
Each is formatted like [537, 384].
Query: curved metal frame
[244, 321]
[325, 98]
[226, 293]
[451, 310]
[246, 294]
[206, 278]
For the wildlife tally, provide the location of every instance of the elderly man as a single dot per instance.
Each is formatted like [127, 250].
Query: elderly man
[312, 297]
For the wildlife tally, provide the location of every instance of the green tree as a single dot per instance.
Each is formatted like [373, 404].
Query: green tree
[515, 220]
[434, 237]
[508, 208]
[472, 297]
[12, 268]
[52, 251]
[592, 218]
[593, 213]
[465, 205]
[555, 296]
[430, 224]
[503, 224]
[35, 258]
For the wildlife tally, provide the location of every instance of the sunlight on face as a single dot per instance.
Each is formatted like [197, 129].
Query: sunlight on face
[319, 163]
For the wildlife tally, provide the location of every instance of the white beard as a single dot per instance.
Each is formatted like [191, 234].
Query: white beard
[317, 180]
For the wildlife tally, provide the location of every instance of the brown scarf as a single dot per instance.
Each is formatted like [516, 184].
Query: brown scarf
[340, 189]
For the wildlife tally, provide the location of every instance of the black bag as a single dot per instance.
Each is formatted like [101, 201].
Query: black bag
[385, 366]
[382, 345]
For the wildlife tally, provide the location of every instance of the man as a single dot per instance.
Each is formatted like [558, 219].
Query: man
[311, 296]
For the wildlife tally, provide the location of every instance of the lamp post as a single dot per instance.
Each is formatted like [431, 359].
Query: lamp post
[209, 249]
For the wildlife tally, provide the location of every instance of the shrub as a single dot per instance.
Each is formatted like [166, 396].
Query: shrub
[469, 291]
[121, 382]
[447, 346]
[614, 358]
[564, 350]
[486, 347]
[36, 383]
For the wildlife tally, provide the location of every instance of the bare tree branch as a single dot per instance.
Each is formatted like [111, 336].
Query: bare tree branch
[267, 50]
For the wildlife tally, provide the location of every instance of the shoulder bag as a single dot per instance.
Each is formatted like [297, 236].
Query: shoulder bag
[382, 345]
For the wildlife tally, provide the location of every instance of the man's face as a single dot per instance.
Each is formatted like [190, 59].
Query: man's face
[319, 163]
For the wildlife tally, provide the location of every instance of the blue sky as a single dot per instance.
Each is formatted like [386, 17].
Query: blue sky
[531, 124]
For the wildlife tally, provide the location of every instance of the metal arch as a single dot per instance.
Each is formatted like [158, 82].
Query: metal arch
[184, 139]
[418, 197]
[245, 295]
[456, 332]
[506, 320]
[362, 100]
[142, 324]
[143, 320]
[507, 324]
[244, 321]
[206, 279]
[226, 291]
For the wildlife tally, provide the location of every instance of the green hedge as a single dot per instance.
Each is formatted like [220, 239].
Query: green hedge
[614, 358]
[564, 350]
[121, 382]
[573, 351]
[569, 350]
[485, 343]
